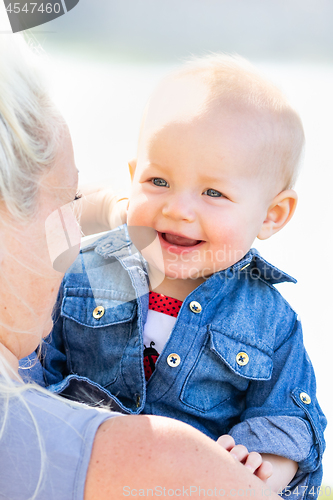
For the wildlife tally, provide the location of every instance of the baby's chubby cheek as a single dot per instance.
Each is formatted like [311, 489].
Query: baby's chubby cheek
[228, 244]
[139, 211]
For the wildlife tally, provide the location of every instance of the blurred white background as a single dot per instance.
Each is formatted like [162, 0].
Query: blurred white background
[106, 56]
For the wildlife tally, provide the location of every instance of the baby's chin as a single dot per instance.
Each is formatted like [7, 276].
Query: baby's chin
[173, 272]
[192, 272]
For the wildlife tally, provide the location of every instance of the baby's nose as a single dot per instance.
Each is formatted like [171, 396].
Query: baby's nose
[179, 208]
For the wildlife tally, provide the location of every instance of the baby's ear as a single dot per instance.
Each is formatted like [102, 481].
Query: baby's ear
[279, 213]
[132, 167]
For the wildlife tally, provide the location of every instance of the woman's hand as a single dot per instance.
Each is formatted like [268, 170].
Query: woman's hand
[253, 460]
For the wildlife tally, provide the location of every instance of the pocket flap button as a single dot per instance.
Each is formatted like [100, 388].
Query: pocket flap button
[98, 312]
[242, 359]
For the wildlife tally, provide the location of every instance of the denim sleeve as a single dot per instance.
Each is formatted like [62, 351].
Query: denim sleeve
[288, 437]
[31, 370]
[279, 419]
[53, 353]
[48, 365]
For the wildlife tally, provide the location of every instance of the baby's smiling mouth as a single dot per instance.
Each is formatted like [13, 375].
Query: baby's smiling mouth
[174, 239]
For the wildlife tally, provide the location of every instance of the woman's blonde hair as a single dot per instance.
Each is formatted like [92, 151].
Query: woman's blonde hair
[29, 127]
[30, 132]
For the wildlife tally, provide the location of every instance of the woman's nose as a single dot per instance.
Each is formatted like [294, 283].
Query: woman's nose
[179, 208]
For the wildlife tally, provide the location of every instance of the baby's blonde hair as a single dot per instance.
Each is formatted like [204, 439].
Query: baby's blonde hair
[233, 81]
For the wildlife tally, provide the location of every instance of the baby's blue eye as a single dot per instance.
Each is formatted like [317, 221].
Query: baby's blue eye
[213, 193]
[157, 181]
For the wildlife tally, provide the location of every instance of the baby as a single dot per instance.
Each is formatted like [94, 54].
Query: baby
[196, 330]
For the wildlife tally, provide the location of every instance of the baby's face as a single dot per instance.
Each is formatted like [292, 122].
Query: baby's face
[196, 184]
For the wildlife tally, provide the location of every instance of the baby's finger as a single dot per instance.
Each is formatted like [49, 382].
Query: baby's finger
[226, 441]
[264, 471]
[239, 452]
[253, 461]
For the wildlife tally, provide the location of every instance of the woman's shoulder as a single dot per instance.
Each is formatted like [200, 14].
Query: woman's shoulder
[45, 445]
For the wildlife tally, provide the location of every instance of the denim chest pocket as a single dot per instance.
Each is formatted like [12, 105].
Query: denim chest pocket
[222, 372]
[96, 332]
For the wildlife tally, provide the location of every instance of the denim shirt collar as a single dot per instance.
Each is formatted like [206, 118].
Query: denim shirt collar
[117, 243]
[253, 261]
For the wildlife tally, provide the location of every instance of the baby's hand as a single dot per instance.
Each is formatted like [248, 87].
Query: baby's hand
[118, 216]
[123, 209]
[253, 461]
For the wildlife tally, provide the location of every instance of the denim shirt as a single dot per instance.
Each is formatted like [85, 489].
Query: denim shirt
[241, 366]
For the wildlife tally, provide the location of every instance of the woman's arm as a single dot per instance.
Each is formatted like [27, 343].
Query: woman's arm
[135, 453]
[100, 209]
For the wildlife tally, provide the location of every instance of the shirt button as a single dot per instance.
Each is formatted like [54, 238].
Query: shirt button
[195, 307]
[173, 360]
[242, 359]
[305, 398]
[98, 312]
